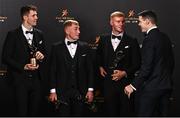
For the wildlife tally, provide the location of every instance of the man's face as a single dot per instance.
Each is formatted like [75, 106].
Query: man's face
[73, 32]
[31, 18]
[143, 23]
[117, 24]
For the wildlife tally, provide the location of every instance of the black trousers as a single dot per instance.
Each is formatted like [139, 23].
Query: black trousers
[116, 101]
[152, 103]
[75, 103]
[28, 96]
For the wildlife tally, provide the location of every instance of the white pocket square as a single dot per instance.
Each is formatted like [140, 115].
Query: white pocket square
[126, 47]
[40, 42]
[83, 55]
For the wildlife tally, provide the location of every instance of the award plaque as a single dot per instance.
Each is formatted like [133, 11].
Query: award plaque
[33, 50]
[119, 56]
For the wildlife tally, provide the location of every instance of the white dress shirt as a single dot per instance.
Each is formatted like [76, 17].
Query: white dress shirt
[115, 42]
[28, 36]
[72, 47]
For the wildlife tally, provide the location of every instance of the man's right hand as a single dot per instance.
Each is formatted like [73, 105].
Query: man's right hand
[102, 71]
[30, 67]
[53, 97]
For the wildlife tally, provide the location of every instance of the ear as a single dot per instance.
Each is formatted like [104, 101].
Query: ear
[147, 21]
[25, 17]
[66, 30]
[111, 22]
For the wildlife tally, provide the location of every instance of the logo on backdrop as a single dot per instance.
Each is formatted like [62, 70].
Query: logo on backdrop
[3, 18]
[63, 16]
[94, 44]
[131, 17]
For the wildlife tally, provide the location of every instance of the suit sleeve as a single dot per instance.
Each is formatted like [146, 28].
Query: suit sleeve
[99, 53]
[8, 52]
[90, 68]
[52, 67]
[41, 45]
[147, 62]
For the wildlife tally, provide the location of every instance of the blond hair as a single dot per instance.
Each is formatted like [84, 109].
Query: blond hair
[117, 14]
[68, 23]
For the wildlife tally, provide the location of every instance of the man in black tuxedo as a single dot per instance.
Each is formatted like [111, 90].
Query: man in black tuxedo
[20, 46]
[118, 58]
[154, 82]
[71, 72]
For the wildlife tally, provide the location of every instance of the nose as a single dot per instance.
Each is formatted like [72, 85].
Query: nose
[139, 24]
[78, 31]
[36, 17]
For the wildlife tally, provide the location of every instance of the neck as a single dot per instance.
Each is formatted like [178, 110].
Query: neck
[27, 26]
[151, 25]
[70, 39]
[116, 32]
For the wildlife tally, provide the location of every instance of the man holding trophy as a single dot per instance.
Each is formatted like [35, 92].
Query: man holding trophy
[118, 58]
[23, 53]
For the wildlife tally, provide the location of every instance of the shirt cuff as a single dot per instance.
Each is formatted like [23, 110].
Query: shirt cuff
[53, 90]
[90, 89]
[133, 87]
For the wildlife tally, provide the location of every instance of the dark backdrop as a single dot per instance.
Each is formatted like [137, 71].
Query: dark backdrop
[93, 16]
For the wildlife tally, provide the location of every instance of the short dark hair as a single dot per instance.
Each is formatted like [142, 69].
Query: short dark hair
[25, 10]
[148, 14]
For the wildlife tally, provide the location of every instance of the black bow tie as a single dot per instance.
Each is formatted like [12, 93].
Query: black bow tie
[31, 32]
[118, 37]
[69, 42]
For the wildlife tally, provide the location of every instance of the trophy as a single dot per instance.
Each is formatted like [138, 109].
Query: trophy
[57, 103]
[33, 50]
[90, 105]
[119, 56]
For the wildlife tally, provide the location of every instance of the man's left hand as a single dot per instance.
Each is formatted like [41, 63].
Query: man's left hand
[39, 55]
[128, 90]
[118, 75]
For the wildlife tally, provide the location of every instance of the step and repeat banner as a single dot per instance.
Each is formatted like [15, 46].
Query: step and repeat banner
[93, 16]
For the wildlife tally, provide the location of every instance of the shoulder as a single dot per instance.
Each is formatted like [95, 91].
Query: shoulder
[13, 34]
[38, 31]
[55, 46]
[15, 31]
[59, 43]
[105, 36]
[83, 43]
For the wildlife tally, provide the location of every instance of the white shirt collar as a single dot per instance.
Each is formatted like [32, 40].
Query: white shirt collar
[151, 29]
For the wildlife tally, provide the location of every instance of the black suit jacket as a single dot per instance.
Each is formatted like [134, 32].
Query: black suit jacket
[157, 62]
[131, 61]
[15, 52]
[60, 72]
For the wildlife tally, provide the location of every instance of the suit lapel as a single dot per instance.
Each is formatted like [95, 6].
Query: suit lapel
[122, 43]
[35, 38]
[109, 43]
[23, 40]
[66, 54]
[77, 50]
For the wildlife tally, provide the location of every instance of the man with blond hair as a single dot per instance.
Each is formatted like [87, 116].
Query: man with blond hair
[71, 72]
[118, 59]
